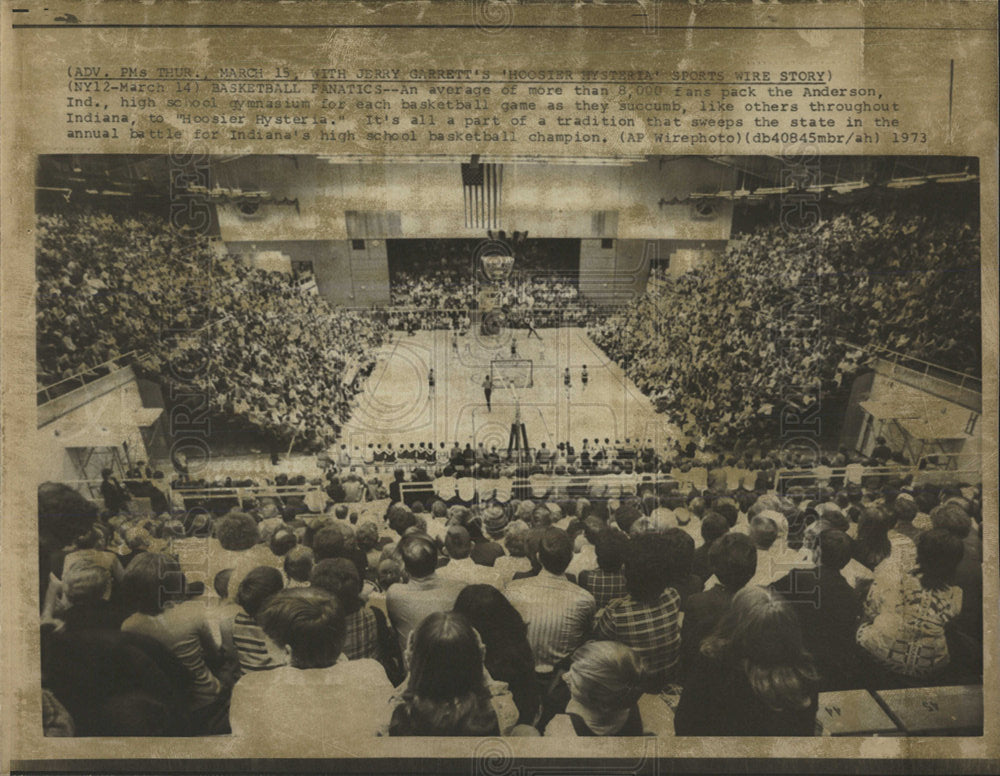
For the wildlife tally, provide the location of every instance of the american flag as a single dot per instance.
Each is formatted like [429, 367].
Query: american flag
[482, 185]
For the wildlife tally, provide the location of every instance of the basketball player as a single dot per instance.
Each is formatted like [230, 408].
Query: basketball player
[584, 377]
[530, 322]
[566, 379]
[454, 341]
[488, 392]
[513, 347]
[430, 382]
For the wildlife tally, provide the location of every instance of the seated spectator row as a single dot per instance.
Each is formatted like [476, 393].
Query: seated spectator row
[559, 618]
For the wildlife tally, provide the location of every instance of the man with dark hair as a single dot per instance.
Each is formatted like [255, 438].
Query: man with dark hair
[626, 515]
[63, 515]
[678, 555]
[881, 452]
[399, 518]
[329, 542]
[425, 592]
[282, 541]
[113, 492]
[606, 582]
[713, 525]
[557, 612]
[732, 559]
[728, 508]
[335, 490]
[647, 620]
[304, 703]
[555, 550]
[952, 517]
[828, 609]
[237, 531]
[461, 566]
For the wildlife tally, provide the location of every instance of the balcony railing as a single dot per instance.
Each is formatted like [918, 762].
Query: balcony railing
[85, 376]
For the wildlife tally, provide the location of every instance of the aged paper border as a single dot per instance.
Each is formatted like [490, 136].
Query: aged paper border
[23, 745]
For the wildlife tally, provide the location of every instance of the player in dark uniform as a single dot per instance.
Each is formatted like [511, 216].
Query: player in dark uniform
[513, 347]
[584, 377]
[530, 322]
[430, 382]
[488, 391]
[567, 381]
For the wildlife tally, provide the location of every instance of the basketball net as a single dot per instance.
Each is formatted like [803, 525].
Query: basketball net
[497, 268]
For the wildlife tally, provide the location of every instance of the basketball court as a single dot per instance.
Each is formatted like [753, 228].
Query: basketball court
[398, 406]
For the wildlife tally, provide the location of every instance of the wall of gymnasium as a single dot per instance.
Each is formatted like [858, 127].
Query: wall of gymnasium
[618, 271]
[628, 217]
[637, 201]
[349, 273]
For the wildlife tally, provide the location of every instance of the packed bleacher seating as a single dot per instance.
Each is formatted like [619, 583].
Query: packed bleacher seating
[723, 347]
[201, 620]
[266, 354]
[439, 292]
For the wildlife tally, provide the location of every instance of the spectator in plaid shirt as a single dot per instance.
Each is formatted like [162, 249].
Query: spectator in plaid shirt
[647, 620]
[368, 635]
[606, 582]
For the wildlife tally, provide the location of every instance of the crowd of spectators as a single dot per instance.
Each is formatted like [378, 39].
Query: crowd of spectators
[724, 347]
[549, 614]
[265, 354]
[108, 286]
[441, 284]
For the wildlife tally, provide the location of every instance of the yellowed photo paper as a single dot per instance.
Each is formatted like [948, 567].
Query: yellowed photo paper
[499, 387]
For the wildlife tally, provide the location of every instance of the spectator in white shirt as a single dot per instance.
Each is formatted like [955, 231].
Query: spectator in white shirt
[299, 709]
[461, 567]
[425, 592]
[585, 559]
[516, 560]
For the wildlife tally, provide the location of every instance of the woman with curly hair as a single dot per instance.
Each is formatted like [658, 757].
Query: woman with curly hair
[752, 676]
[873, 545]
[237, 546]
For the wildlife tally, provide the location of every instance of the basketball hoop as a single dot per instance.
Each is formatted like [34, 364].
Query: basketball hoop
[497, 268]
